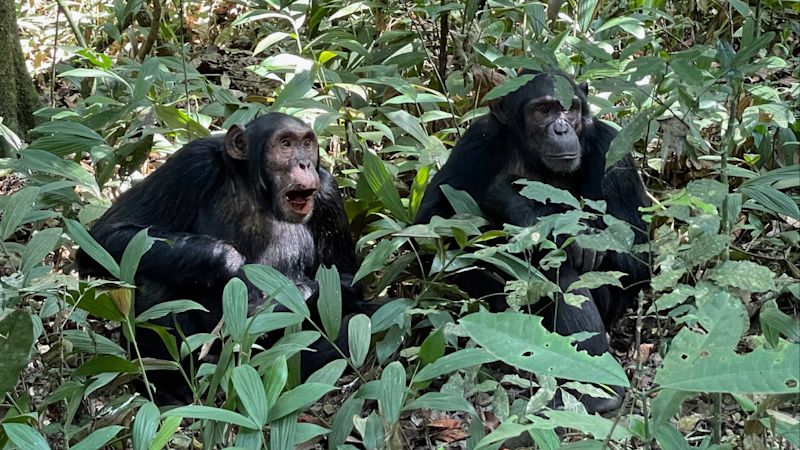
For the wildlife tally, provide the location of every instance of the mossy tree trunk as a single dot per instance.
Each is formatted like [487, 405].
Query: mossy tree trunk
[20, 99]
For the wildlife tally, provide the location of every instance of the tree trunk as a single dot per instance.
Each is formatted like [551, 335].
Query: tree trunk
[20, 99]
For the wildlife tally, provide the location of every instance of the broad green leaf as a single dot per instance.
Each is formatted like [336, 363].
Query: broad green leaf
[267, 321]
[359, 334]
[330, 300]
[295, 89]
[593, 280]
[275, 375]
[630, 134]
[544, 193]
[278, 287]
[44, 161]
[168, 428]
[38, 247]
[234, 308]
[703, 248]
[139, 244]
[343, 420]
[507, 87]
[329, 374]
[461, 201]
[82, 237]
[774, 321]
[144, 426]
[393, 391]
[409, 124]
[597, 426]
[772, 199]
[298, 399]
[169, 307]
[745, 275]
[432, 347]
[25, 437]
[617, 236]
[440, 401]
[98, 438]
[455, 361]
[211, 413]
[105, 363]
[375, 259]
[95, 73]
[16, 338]
[306, 431]
[90, 342]
[15, 210]
[564, 91]
[282, 433]
[251, 393]
[521, 341]
[382, 185]
[66, 128]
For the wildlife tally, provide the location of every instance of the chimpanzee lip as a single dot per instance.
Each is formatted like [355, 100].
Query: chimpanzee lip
[299, 200]
[564, 156]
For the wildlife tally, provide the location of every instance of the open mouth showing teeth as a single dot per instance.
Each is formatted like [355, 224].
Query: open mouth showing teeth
[300, 200]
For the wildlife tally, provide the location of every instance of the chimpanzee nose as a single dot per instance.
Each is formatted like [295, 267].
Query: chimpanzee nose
[304, 164]
[561, 127]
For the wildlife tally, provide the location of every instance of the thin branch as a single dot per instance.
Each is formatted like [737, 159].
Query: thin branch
[155, 25]
[75, 30]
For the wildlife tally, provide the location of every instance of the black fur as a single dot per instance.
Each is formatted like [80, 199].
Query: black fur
[495, 151]
[217, 213]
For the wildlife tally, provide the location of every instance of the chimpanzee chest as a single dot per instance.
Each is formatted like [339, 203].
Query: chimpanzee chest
[290, 250]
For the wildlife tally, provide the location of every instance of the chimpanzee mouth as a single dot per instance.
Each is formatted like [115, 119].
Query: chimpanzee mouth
[300, 200]
[563, 156]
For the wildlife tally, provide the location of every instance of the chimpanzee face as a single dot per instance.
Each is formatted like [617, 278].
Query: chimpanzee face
[284, 165]
[292, 157]
[552, 132]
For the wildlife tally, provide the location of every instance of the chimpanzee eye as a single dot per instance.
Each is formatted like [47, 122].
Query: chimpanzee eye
[307, 143]
[285, 143]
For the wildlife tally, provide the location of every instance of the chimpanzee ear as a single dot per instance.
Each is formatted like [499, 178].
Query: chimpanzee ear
[584, 87]
[497, 108]
[235, 144]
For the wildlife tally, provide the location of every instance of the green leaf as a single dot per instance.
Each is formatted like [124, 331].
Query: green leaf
[66, 128]
[211, 413]
[98, 438]
[441, 401]
[298, 399]
[136, 248]
[38, 247]
[330, 300]
[432, 347]
[593, 280]
[359, 335]
[267, 321]
[544, 193]
[90, 342]
[393, 391]
[343, 421]
[774, 321]
[82, 237]
[25, 437]
[521, 341]
[16, 338]
[772, 199]
[409, 124]
[461, 201]
[597, 426]
[44, 161]
[745, 275]
[508, 87]
[630, 134]
[703, 248]
[251, 393]
[160, 310]
[168, 428]
[455, 361]
[144, 426]
[375, 259]
[564, 91]
[617, 236]
[277, 286]
[382, 185]
[295, 89]
[105, 363]
[95, 73]
[15, 210]
[329, 374]
[234, 308]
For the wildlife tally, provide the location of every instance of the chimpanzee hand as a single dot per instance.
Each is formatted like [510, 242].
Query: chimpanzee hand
[582, 259]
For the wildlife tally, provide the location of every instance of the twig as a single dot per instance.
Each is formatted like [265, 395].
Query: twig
[155, 24]
[75, 30]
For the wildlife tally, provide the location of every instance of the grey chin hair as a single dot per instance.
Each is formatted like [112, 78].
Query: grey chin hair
[587, 119]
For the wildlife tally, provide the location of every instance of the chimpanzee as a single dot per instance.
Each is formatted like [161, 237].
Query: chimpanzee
[258, 195]
[530, 135]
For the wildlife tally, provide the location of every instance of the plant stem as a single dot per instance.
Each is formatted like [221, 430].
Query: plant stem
[75, 30]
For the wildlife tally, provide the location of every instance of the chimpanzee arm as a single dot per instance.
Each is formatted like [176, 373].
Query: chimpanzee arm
[177, 257]
[330, 228]
[167, 202]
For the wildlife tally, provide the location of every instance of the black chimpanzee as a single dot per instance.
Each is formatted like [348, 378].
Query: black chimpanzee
[530, 135]
[258, 195]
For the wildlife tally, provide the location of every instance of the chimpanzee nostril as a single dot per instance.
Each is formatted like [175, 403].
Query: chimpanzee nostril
[561, 127]
[304, 164]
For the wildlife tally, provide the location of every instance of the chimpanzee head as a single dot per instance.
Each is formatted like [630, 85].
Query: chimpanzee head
[549, 130]
[282, 155]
